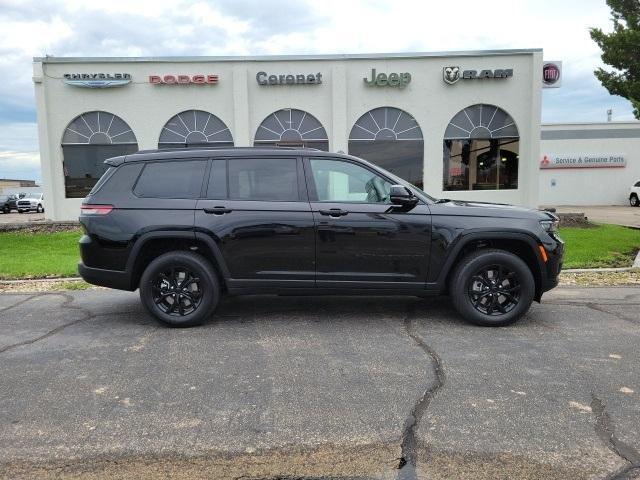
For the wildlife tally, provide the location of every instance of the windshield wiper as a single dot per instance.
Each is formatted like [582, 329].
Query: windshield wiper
[443, 200]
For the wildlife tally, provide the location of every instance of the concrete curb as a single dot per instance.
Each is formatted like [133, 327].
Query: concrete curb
[10, 227]
[636, 262]
[600, 270]
[33, 280]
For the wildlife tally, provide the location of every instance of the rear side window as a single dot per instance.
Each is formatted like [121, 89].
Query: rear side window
[637, 184]
[102, 180]
[174, 179]
[274, 179]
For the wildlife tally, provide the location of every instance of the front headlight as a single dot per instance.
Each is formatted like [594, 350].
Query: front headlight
[550, 226]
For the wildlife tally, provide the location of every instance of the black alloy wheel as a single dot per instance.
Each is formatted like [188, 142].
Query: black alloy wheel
[634, 201]
[177, 291]
[492, 287]
[180, 288]
[494, 290]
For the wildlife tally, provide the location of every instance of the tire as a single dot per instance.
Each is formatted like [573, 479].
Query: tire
[39, 209]
[178, 305]
[633, 200]
[487, 300]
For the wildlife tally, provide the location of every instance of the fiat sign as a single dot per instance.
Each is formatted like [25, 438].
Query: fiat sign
[551, 74]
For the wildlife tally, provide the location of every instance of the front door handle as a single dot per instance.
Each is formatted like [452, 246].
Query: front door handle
[217, 210]
[334, 212]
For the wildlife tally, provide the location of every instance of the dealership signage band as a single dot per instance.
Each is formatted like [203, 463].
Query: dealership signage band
[183, 79]
[399, 80]
[97, 80]
[452, 74]
[571, 160]
[289, 79]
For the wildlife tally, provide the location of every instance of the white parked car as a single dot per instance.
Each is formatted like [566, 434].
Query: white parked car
[33, 202]
[634, 195]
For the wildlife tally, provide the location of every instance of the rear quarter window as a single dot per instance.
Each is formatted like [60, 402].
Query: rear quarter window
[171, 179]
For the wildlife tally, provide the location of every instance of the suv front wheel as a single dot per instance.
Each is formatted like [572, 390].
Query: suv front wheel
[492, 288]
[180, 289]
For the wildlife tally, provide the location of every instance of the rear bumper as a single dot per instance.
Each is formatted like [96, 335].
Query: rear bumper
[105, 278]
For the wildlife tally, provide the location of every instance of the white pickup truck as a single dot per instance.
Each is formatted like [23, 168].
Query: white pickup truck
[33, 202]
[634, 195]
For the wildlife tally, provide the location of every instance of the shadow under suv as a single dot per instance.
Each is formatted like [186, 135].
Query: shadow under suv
[187, 226]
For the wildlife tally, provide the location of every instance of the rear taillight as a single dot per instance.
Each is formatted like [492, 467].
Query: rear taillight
[96, 209]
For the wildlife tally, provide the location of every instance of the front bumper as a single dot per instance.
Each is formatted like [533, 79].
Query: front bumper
[553, 266]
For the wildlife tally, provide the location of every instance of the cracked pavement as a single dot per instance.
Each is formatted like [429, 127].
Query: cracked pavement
[325, 387]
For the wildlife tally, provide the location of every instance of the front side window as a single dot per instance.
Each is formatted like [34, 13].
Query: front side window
[267, 179]
[171, 179]
[480, 150]
[338, 181]
[88, 141]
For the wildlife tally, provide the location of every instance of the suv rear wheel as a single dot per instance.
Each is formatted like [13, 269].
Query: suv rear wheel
[180, 289]
[492, 288]
[633, 200]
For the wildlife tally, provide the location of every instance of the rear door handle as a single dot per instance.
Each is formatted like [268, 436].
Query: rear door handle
[217, 210]
[334, 212]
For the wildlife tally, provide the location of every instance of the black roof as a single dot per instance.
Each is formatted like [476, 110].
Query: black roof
[209, 152]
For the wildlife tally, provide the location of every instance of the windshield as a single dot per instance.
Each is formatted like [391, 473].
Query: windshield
[33, 195]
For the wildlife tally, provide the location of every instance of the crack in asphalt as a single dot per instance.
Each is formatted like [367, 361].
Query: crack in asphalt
[68, 300]
[17, 304]
[621, 316]
[408, 460]
[606, 433]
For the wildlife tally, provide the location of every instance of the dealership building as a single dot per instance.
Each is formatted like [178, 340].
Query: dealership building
[462, 125]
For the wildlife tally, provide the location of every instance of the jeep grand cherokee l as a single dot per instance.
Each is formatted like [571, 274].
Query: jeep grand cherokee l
[187, 226]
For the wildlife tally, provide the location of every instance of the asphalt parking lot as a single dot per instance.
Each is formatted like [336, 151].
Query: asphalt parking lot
[299, 387]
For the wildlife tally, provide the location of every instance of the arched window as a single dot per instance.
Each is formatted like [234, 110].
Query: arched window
[392, 139]
[87, 142]
[195, 127]
[481, 150]
[291, 127]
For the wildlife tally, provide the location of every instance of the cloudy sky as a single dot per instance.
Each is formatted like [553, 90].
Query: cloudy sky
[31, 28]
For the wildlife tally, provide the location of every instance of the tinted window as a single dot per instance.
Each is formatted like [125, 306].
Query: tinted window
[179, 179]
[263, 179]
[84, 165]
[217, 180]
[338, 181]
[637, 184]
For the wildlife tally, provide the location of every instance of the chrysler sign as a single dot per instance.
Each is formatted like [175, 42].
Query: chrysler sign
[579, 160]
[97, 80]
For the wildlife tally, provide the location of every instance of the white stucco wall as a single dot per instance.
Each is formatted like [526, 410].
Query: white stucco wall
[337, 103]
[590, 186]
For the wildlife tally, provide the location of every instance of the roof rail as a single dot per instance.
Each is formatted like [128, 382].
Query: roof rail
[185, 149]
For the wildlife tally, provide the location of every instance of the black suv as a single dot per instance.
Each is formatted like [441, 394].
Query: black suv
[186, 226]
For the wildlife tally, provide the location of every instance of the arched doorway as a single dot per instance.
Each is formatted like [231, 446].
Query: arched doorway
[480, 150]
[195, 128]
[88, 141]
[291, 127]
[392, 139]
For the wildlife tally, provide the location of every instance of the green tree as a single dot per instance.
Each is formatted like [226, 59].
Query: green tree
[621, 50]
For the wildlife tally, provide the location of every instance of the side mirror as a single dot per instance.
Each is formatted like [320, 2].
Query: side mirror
[402, 196]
